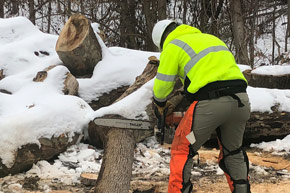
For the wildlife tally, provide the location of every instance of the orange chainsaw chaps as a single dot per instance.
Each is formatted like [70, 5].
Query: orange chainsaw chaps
[180, 151]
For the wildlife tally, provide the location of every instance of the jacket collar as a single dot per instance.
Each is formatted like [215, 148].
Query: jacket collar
[179, 31]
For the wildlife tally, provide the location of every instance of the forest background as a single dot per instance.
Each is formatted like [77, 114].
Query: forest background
[129, 23]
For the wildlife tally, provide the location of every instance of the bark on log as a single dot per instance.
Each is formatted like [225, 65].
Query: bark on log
[116, 169]
[30, 154]
[5, 91]
[267, 126]
[108, 98]
[77, 46]
[71, 85]
[2, 74]
[267, 81]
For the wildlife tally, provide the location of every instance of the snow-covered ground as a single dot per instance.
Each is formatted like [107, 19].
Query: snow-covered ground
[40, 109]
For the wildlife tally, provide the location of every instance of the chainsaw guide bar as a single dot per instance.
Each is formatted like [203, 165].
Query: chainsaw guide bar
[124, 123]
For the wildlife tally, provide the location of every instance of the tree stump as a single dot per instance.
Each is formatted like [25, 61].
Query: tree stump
[88, 179]
[267, 81]
[119, 144]
[78, 47]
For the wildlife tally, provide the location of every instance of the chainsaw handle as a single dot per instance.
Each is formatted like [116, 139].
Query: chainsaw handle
[162, 121]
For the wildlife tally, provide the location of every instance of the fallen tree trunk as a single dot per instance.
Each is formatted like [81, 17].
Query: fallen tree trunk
[119, 144]
[267, 126]
[77, 46]
[29, 154]
[267, 81]
[108, 98]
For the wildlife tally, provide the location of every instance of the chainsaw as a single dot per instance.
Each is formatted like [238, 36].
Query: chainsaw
[165, 126]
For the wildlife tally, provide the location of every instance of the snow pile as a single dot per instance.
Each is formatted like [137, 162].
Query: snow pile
[40, 109]
[67, 169]
[32, 110]
[150, 161]
[24, 49]
[280, 145]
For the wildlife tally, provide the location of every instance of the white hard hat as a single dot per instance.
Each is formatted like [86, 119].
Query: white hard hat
[159, 29]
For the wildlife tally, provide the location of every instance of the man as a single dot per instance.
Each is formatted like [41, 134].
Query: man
[216, 88]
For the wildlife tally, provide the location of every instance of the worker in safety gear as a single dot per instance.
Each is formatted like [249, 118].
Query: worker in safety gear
[216, 88]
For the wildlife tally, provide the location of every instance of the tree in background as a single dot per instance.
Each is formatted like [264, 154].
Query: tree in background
[288, 26]
[239, 32]
[129, 23]
[1, 8]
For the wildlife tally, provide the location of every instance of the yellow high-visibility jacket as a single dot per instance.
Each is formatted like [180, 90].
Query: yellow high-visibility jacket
[201, 58]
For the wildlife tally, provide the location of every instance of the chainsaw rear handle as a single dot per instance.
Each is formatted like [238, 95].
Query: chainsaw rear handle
[161, 121]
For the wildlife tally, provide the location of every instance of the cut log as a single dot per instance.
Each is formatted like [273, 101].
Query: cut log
[89, 179]
[78, 47]
[267, 81]
[71, 85]
[30, 154]
[40, 76]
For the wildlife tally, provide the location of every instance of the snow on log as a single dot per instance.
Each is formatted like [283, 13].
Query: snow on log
[95, 135]
[71, 85]
[78, 47]
[267, 81]
[30, 154]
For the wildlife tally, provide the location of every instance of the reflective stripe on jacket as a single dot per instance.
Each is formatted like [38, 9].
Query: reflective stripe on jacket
[189, 54]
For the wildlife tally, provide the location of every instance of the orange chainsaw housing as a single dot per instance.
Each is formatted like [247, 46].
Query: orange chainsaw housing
[174, 118]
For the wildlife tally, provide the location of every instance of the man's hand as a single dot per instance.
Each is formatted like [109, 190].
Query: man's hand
[159, 111]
